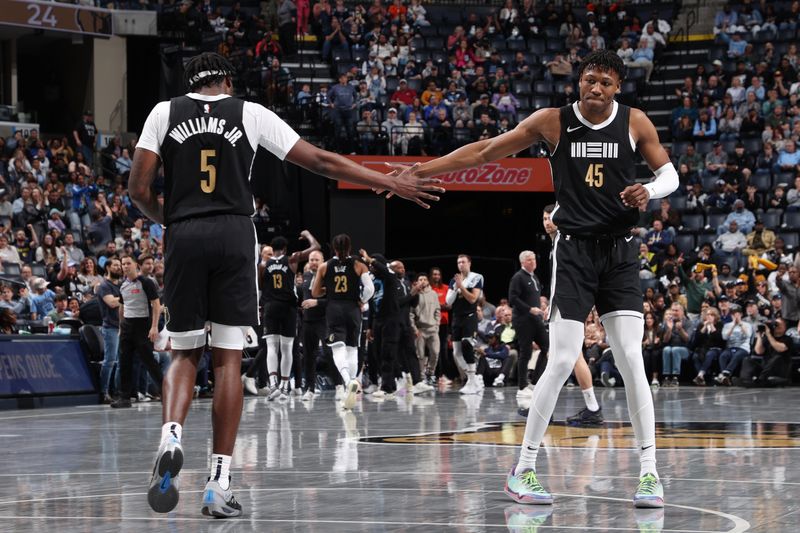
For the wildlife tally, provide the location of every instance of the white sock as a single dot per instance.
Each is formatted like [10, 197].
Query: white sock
[624, 334]
[220, 469]
[566, 340]
[273, 343]
[286, 356]
[471, 369]
[458, 357]
[171, 428]
[340, 360]
[352, 361]
[590, 399]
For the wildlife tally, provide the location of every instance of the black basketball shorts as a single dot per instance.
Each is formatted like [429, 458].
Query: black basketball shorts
[465, 327]
[595, 271]
[280, 318]
[210, 272]
[343, 319]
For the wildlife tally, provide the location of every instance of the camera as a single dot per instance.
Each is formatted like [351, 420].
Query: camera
[762, 328]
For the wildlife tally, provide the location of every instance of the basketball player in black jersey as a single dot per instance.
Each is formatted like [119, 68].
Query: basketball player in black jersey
[593, 144]
[280, 310]
[346, 283]
[206, 141]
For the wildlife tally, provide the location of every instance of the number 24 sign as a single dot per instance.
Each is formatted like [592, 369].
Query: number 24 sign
[56, 17]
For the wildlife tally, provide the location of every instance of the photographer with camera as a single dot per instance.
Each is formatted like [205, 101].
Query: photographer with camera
[771, 363]
[737, 333]
[677, 331]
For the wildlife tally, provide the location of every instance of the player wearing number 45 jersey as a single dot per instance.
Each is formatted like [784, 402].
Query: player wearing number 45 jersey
[592, 143]
[206, 141]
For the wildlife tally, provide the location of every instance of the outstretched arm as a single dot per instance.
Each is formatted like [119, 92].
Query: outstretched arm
[317, 288]
[405, 184]
[544, 125]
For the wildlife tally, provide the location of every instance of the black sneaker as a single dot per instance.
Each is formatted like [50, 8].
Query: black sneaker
[121, 403]
[587, 418]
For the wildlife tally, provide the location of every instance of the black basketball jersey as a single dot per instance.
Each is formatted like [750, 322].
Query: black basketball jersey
[207, 159]
[279, 281]
[591, 166]
[341, 280]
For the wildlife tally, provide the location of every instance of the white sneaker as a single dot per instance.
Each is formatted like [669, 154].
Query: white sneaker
[499, 381]
[352, 394]
[308, 396]
[249, 385]
[409, 383]
[479, 380]
[654, 384]
[339, 392]
[400, 385]
[264, 391]
[371, 389]
[421, 388]
[525, 394]
[472, 386]
[141, 397]
[379, 394]
[274, 392]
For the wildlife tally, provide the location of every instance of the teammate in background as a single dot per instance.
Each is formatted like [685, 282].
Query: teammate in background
[593, 144]
[280, 311]
[346, 283]
[207, 141]
[463, 293]
[258, 364]
[445, 361]
[314, 328]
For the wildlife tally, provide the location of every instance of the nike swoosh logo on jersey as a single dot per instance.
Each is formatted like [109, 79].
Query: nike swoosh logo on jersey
[629, 239]
[570, 130]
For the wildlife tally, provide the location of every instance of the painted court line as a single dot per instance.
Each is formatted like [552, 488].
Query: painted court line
[740, 524]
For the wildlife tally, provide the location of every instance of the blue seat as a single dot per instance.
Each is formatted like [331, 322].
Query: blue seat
[715, 220]
[791, 220]
[693, 222]
[790, 239]
[678, 202]
[685, 242]
[771, 220]
[763, 182]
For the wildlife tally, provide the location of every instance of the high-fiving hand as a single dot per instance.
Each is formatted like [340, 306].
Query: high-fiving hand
[409, 185]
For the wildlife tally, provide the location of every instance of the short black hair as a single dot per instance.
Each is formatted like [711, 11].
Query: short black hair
[341, 245]
[549, 208]
[205, 70]
[604, 60]
[279, 243]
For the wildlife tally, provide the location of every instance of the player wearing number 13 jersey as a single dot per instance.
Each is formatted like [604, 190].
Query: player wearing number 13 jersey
[592, 143]
[206, 141]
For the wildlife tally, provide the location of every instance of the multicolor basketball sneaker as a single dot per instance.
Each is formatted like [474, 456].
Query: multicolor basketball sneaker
[650, 492]
[524, 487]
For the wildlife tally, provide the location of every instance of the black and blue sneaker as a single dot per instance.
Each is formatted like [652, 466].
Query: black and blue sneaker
[586, 418]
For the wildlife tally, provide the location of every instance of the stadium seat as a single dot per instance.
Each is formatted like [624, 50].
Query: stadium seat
[771, 219]
[693, 222]
[434, 43]
[417, 43]
[628, 87]
[790, 239]
[787, 34]
[439, 56]
[716, 53]
[415, 84]
[559, 86]
[635, 73]
[679, 148]
[752, 145]
[555, 46]
[708, 182]
[715, 220]
[38, 270]
[11, 269]
[785, 177]
[763, 182]
[91, 341]
[522, 114]
[791, 220]
[543, 88]
[391, 84]
[521, 87]
[552, 34]
[524, 101]
[537, 46]
[703, 147]
[428, 31]
[685, 242]
[678, 202]
[462, 136]
[541, 101]
[517, 45]
[729, 146]
[507, 56]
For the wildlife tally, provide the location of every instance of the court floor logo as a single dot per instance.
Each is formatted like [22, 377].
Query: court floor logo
[669, 435]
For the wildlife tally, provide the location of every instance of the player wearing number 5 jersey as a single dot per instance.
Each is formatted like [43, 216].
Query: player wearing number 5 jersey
[206, 141]
[592, 143]
[346, 284]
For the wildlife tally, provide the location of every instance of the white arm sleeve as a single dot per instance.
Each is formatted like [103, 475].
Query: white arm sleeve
[367, 287]
[450, 297]
[155, 128]
[665, 183]
[265, 128]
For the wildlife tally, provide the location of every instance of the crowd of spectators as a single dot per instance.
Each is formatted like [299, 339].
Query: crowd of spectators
[417, 80]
